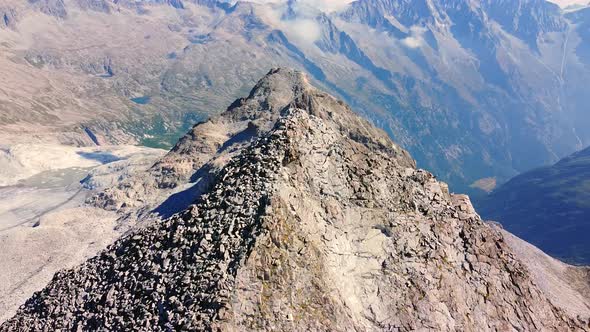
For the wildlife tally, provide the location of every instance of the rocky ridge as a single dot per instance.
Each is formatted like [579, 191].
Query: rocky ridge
[313, 221]
[474, 89]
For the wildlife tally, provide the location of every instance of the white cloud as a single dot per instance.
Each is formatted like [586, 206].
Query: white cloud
[302, 28]
[415, 40]
[327, 5]
[565, 3]
[412, 42]
[317, 5]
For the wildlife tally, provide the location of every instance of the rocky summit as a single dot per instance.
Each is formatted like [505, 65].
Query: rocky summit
[311, 219]
[478, 90]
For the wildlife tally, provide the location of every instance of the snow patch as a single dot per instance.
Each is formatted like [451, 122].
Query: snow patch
[21, 161]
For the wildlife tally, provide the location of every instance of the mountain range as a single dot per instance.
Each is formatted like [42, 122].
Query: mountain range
[477, 90]
[304, 216]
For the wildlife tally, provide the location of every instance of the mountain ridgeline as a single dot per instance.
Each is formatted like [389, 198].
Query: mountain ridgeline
[307, 218]
[475, 90]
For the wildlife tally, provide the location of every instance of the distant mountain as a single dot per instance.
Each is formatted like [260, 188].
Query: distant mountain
[549, 207]
[478, 91]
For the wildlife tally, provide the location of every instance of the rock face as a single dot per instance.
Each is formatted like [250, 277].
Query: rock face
[314, 221]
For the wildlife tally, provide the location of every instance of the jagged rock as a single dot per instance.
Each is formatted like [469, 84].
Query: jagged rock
[55, 8]
[8, 17]
[315, 222]
[96, 5]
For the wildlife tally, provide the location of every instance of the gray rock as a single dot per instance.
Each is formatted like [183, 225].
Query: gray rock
[316, 223]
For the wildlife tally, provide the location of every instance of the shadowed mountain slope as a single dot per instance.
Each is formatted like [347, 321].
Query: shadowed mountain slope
[548, 206]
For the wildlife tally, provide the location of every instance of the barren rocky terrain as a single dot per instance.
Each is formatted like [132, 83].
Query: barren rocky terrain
[303, 216]
[45, 225]
[474, 89]
[288, 211]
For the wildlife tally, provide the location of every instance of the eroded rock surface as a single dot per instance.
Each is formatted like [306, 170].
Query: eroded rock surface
[311, 219]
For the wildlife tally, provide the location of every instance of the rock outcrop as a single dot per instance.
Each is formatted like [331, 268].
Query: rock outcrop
[311, 219]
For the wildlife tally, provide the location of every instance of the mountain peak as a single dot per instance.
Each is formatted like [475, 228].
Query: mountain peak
[310, 219]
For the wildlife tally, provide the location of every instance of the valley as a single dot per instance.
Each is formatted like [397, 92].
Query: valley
[45, 224]
[470, 94]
